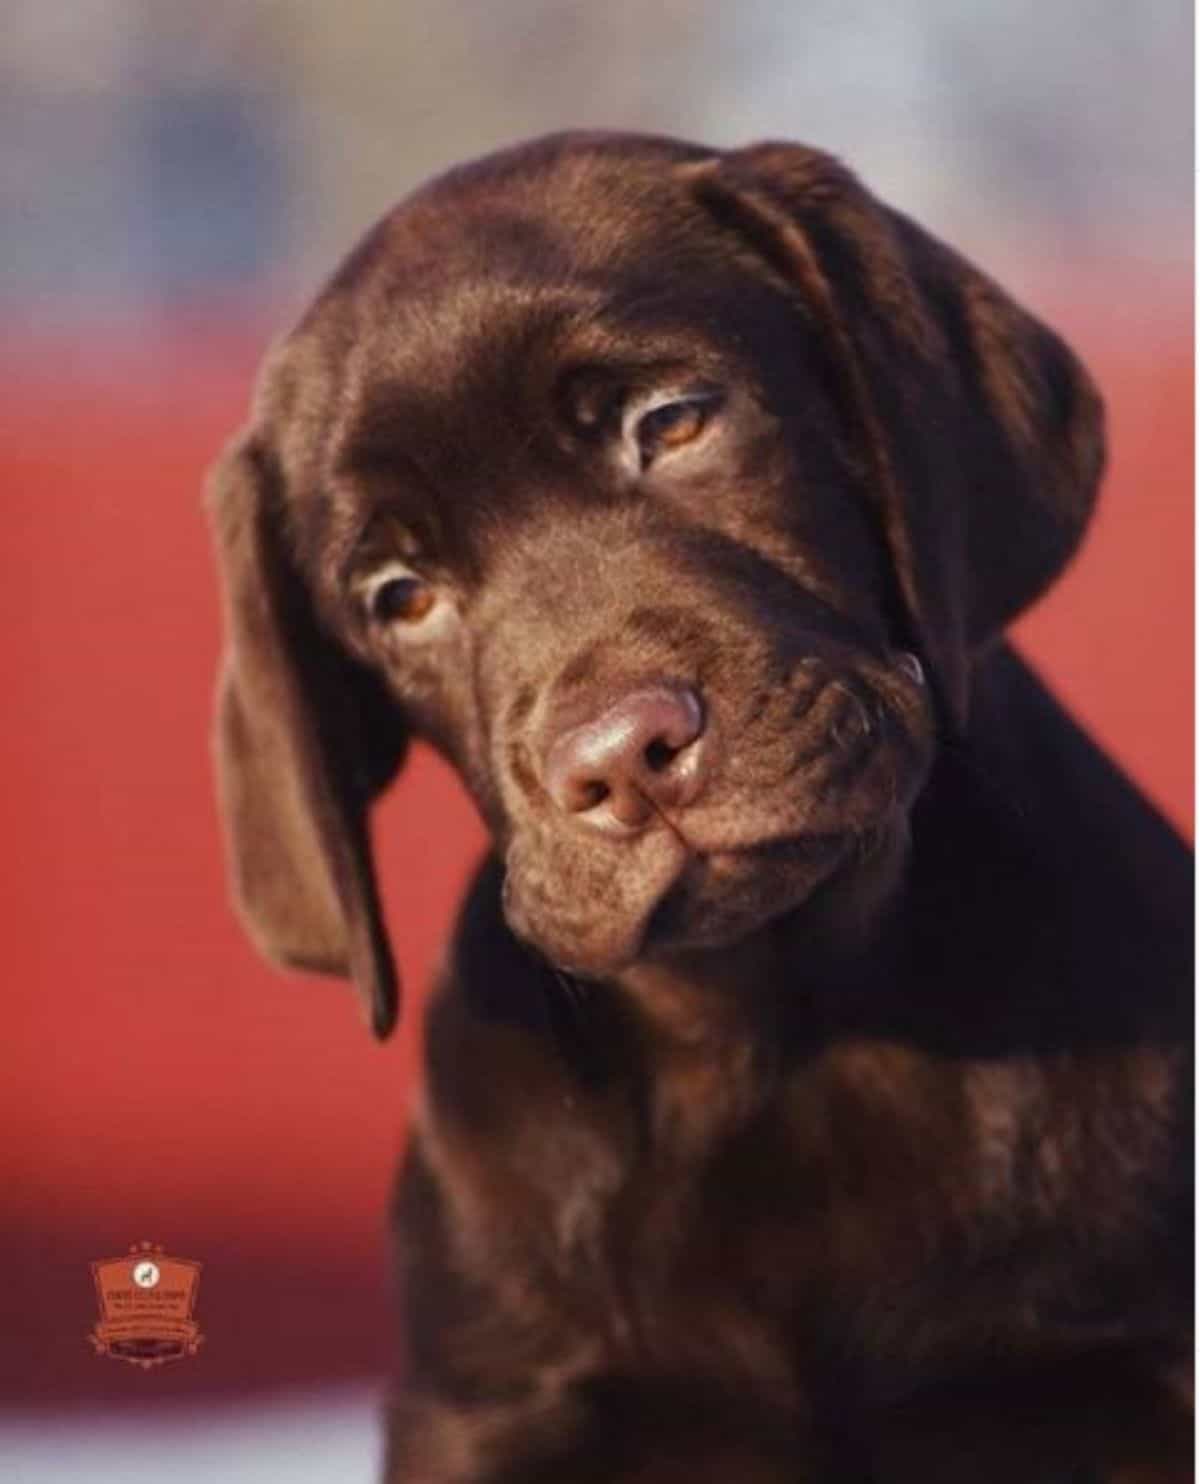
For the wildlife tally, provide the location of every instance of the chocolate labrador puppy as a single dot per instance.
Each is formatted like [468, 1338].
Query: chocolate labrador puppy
[806, 1094]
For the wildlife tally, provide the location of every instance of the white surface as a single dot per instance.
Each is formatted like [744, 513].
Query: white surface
[305, 1438]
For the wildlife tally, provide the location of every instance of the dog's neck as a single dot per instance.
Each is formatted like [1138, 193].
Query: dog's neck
[698, 1020]
[702, 999]
[717, 1027]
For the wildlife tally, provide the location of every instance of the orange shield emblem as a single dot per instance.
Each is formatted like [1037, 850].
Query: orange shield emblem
[147, 1301]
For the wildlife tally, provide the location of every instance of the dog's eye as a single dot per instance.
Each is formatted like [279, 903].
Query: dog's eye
[671, 425]
[400, 598]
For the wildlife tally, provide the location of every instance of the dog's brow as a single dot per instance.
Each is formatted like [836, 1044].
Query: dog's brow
[381, 435]
[373, 540]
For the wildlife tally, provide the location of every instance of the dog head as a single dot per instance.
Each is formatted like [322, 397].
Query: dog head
[669, 493]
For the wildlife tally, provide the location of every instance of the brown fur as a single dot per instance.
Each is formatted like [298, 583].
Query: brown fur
[832, 1126]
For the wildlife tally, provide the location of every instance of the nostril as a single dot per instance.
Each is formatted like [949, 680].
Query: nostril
[659, 755]
[592, 792]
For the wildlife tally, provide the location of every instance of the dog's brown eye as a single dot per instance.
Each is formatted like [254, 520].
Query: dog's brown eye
[404, 599]
[671, 425]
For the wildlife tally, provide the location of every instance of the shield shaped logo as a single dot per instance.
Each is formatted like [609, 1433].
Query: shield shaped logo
[147, 1305]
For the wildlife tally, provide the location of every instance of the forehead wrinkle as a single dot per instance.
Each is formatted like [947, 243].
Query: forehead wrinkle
[420, 391]
[441, 338]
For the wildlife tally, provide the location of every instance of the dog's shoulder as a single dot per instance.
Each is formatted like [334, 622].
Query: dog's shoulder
[1041, 871]
[1057, 774]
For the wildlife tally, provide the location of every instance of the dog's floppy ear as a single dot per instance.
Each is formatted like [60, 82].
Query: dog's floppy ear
[306, 738]
[980, 434]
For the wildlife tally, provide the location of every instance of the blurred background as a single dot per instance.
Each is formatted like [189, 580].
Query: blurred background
[174, 180]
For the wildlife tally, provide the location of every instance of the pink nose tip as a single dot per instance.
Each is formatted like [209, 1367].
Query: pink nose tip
[643, 754]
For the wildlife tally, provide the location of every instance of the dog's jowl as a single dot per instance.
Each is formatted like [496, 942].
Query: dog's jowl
[806, 1095]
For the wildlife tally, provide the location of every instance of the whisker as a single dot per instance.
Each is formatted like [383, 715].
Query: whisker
[576, 992]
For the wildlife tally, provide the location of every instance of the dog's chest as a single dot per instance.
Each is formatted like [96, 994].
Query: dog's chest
[707, 1230]
[874, 1204]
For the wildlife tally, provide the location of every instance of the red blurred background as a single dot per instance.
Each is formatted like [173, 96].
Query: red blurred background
[173, 181]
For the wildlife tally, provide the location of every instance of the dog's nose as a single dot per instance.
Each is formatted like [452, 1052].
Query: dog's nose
[644, 753]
